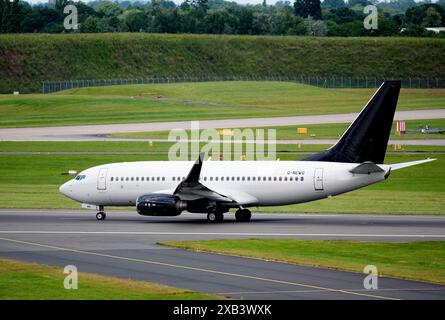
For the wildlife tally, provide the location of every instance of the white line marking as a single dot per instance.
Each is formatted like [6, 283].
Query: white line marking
[199, 269]
[225, 234]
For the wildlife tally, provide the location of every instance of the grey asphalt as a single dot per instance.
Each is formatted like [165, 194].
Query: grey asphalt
[99, 132]
[125, 245]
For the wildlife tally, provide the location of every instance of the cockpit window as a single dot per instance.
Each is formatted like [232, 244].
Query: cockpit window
[80, 177]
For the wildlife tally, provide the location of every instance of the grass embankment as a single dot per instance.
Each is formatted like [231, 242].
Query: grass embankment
[415, 190]
[23, 281]
[27, 59]
[424, 261]
[320, 131]
[138, 103]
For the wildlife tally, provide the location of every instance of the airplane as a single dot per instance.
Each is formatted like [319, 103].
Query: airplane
[167, 188]
[427, 129]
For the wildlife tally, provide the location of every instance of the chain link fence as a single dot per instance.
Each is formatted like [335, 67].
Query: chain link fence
[323, 82]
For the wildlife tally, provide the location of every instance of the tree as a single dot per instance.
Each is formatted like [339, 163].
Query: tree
[2, 7]
[333, 4]
[432, 18]
[315, 27]
[90, 25]
[306, 8]
[11, 17]
[135, 20]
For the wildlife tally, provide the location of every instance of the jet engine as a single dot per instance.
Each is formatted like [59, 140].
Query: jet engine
[159, 204]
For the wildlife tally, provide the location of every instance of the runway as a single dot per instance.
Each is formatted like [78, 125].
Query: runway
[99, 132]
[125, 245]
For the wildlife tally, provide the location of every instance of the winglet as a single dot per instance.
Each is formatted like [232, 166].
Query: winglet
[401, 165]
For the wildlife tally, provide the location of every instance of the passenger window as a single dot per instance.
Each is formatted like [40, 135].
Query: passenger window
[142, 178]
[132, 178]
[243, 178]
[302, 178]
[291, 179]
[157, 179]
[270, 178]
[205, 178]
[253, 178]
[216, 178]
[211, 178]
[137, 178]
[163, 178]
[122, 178]
[126, 178]
[222, 178]
[237, 178]
[173, 178]
[112, 178]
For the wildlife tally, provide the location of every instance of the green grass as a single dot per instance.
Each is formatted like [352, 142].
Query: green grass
[24, 281]
[27, 59]
[126, 104]
[424, 261]
[156, 146]
[420, 185]
[320, 131]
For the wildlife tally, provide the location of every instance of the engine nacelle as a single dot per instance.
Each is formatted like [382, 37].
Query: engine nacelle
[159, 204]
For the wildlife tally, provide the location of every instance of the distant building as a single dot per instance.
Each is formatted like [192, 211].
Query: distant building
[436, 29]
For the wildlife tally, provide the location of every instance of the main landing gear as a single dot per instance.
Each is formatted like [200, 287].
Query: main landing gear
[101, 214]
[215, 217]
[243, 215]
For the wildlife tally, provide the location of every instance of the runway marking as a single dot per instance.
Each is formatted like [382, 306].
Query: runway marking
[238, 275]
[225, 234]
[313, 290]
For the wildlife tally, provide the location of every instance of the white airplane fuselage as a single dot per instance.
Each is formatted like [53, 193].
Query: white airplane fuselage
[252, 183]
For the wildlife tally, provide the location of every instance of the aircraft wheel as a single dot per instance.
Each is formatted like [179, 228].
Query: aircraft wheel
[101, 215]
[215, 217]
[243, 215]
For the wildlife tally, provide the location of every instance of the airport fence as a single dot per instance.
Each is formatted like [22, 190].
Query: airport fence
[318, 81]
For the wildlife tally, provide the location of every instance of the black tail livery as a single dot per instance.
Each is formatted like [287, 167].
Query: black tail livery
[367, 137]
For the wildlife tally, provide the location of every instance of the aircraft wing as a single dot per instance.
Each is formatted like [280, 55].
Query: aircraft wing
[192, 189]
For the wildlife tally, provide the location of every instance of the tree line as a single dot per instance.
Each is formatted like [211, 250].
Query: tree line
[302, 17]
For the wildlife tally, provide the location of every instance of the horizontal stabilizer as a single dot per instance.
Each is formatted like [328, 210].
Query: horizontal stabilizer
[367, 167]
[398, 166]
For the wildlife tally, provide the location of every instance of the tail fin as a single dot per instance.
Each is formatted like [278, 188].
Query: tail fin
[367, 137]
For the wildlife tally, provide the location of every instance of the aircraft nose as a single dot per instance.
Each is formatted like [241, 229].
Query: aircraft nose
[65, 188]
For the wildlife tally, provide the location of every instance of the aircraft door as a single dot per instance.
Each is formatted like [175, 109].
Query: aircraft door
[318, 179]
[102, 179]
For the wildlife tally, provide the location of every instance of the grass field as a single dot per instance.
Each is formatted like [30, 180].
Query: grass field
[136, 103]
[321, 131]
[23, 281]
[424, 261]
[27, 59]
[422, 185]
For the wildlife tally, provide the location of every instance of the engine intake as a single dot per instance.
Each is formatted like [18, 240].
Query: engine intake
[159, 204]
